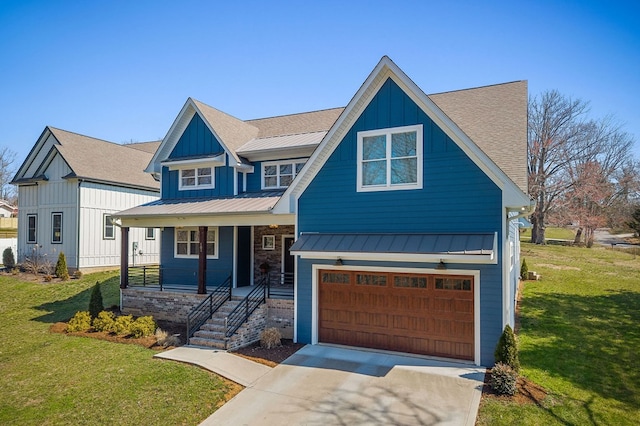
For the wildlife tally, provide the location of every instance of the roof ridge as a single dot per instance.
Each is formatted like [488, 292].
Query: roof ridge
[477, 87]
[295, 113]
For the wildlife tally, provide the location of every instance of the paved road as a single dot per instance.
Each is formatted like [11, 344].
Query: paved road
[603, 236]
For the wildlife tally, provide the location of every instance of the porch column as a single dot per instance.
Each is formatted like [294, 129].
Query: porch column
[124, 257]
[202, 260]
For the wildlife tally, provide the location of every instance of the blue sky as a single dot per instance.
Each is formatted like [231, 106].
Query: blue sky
[122, 70]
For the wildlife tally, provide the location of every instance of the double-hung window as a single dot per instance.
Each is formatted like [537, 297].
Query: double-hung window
[276, 175]
[197, 178]
[390, 159]
[56, 228]
[187, 243]
[109, 232]
[32, 228]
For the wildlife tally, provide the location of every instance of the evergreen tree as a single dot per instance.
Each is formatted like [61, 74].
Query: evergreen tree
[61, 267]
[507, 349]
[524, 269]
[8, 260]
[95, 303]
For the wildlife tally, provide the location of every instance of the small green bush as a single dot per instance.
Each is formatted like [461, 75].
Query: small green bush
[143, 327]
[507, 349]
[61, 267]
[95, 302]
[503, 379]
[105, 321]
[8, 260]
[122, 326]
[524, 269]
[77, 274]
[81, 321]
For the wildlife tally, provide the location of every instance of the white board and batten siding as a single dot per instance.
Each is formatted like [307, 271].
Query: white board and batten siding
[99, 200]
[56, 195]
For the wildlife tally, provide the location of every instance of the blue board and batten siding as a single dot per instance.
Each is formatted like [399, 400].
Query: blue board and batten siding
[197, 140]
[183, 271]
[457, 196]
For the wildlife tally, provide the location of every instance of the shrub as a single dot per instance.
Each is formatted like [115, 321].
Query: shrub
[507, 349]
[81, 321]
[122, 325]
[270, 338]
[166, 340]
[143, 327]
[77, 274]
[524, 269]
[503, 379]
[105, 321]
[95, 302]
[48, 278]
[8, 260]
[61, 267]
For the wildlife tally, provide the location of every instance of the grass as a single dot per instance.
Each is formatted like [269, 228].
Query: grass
[550, 233]
[579, 339]
[57, 379]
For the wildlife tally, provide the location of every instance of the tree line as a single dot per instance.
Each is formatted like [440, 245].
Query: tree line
[581, 170]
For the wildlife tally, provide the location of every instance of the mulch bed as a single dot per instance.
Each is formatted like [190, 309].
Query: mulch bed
[270, 357]
[527, 391]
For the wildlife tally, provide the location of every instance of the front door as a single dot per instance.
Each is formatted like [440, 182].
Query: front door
[243, 252]
[288, 263]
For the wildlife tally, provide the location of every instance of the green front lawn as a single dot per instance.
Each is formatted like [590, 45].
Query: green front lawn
[57, 379]
[550, 233]
[579, 339]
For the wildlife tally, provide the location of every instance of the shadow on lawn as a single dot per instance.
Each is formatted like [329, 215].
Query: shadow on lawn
[63, 310]
[592, 341]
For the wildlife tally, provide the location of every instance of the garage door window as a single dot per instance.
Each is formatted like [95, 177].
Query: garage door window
[453, 284]
[335, 278]
[371, 279]
[409, 282]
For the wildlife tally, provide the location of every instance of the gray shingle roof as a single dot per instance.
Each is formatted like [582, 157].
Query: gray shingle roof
[495, 118]
[307, 122]
[99, 160]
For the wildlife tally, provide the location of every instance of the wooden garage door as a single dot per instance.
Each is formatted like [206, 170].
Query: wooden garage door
[422, 314]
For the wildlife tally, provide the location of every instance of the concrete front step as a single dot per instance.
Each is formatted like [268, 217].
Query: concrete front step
[210, 343]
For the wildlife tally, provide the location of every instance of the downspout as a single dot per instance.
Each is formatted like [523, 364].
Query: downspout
[523, 212]
[78, 227]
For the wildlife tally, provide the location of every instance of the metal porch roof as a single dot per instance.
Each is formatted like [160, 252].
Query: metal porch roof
[259, 202]
[434, 246]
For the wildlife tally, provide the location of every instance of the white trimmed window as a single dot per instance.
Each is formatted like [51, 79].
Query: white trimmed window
[197, 178]
[187, 242]
[280, 174]
[109, 232]
[56, 228]
[150, 234]
[32, 228]
[390, 159]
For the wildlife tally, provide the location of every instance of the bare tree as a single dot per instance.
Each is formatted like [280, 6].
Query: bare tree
[556, 124]
[574, 164]
[7, 158]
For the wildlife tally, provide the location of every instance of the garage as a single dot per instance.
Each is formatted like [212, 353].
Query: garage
[426, 314]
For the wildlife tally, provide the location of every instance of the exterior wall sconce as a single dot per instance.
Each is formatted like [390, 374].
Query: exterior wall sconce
[441, 266]
[338, 262]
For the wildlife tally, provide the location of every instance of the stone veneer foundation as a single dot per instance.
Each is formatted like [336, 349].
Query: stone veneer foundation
[174, 307]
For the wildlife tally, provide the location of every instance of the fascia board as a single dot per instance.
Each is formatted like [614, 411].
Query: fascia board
[402, 257]
[33, 154]
[217, 161]
[171, 138]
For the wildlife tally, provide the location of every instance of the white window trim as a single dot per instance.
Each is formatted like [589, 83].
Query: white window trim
[388, 132]
[278, 164]
[195, 256]
[53, 214]
[104, 227]
[196, 186]
[35, 232]
[153, 233]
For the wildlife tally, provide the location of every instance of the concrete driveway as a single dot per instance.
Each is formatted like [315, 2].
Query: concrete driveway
[326, 385]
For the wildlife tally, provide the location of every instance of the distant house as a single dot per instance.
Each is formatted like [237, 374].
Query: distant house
[394, 218]
[69, 186]
[7, 209]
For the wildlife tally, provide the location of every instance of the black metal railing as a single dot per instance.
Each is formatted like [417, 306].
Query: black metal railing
[170, 278]
[280, 286]
[205, 310]
[146, 275]
[245, 308]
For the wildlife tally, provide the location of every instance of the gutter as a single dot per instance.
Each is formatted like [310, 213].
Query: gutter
[523, 211]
